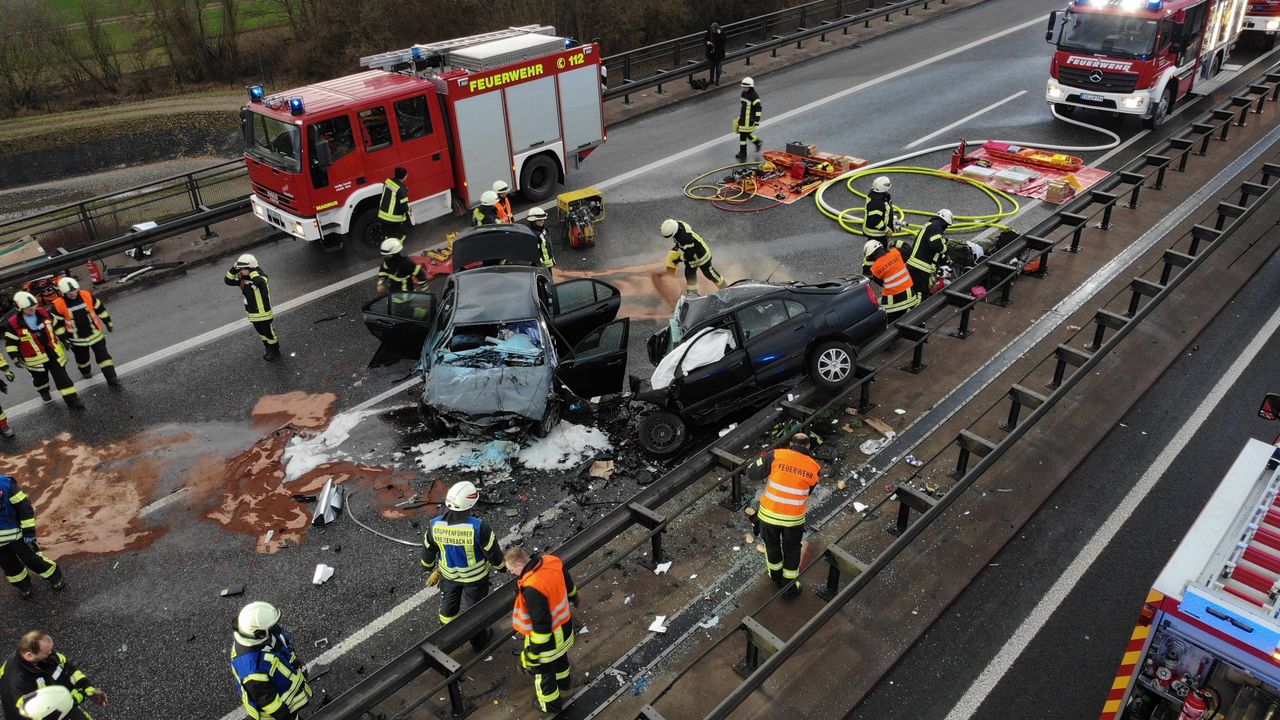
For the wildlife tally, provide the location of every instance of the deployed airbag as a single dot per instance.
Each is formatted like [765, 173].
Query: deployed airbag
[705, 347]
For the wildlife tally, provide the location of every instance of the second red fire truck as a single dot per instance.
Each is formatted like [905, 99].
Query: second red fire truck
[521, 105]
[1138, 57]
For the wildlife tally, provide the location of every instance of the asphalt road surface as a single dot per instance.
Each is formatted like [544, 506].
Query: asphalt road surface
[163, 494]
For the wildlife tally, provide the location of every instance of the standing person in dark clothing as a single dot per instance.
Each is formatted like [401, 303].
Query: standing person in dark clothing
[257, 301]
[928, 250]
[461, 550]
[393, 206]
[33, 336]
[715, 51]
[36, 665]
[789, 475]
[86, 317]
[541, 614]
[19, 551]
[749, 113]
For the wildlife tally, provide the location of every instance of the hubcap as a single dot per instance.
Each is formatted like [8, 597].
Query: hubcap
[834, 365]
[661, 434]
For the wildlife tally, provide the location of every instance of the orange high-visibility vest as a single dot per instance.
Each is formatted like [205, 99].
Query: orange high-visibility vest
[60, 304]
[786, 493]
[892, 272]
[504, 210]
[19, 338]
[548, 579]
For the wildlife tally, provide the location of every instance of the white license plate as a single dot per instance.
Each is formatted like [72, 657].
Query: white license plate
[1090, 97]
[275, 218]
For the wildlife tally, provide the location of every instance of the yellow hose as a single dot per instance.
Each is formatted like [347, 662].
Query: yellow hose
[851, 219]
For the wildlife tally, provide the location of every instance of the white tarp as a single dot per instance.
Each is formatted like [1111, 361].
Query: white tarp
[705, 347]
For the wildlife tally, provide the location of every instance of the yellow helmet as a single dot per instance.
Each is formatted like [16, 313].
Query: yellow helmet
[825, 167]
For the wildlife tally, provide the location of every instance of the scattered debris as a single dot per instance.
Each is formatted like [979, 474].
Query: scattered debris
[270, 534]
[626, 600]
[414, 501]
[899, 411]
[710, 622]
[1004, 490]
[859, 507]
[512, 512]
[881, 427]
[693, 576]
[661, 568]
[328, 505]
[1073, 328]
[659, 624]
[639, 686]
[318, 669]
[331, 317]
[232, 591]
[583, 630]
[871, 447]
[736, 548]
[913, 461]
[728, 430]
[761, 548]
[601, 469]
[322, 643]
[749, 538]
[304, 498]
[846, 428]
[306, 453]
[323, 573]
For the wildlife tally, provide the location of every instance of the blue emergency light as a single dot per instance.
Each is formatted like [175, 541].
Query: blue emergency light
[295, 106]
[255, 93]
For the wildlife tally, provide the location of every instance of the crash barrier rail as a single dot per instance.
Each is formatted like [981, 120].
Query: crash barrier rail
[77, 232]
[1173, 267]
[997, 274]
[655, 65]
[102, 226]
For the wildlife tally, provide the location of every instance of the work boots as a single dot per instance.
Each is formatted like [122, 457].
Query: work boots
[74, 402]
[742, 154]
[86, 372]
[272, 354]
[759, 145]
[46, 396]
[5, 430]
[482, 640]
[109, 372]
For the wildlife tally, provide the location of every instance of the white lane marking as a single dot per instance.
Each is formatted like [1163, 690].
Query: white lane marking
[968, 705]
[966, 119]
[164, 501]
[411, 603]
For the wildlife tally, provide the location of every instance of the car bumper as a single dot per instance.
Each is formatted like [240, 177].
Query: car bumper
[1262, 23]
[299, 227]
[1138, 102]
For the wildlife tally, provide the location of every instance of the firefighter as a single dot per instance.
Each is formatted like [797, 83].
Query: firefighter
[5, 430]
[486, 213]
[273, 684]
[928, 249]
[393, 206]
[254, 286]
[51, 702]
[789, 476]
[693, 251]
[503, 206]
[748, 118]
[460, 550]
[398, 273]
[35, 335]
[541, 614]
[890, 272]
[86, 317]
[537, 220]
[35, 665]
[880, 217]
[19, 550]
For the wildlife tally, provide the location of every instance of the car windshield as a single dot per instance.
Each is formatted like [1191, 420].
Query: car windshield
[273, 141]
[513, 344]
[1112, 35]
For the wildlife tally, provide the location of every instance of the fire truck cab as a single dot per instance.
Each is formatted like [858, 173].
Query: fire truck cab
[1263, 17]
[519, 105]
[1138, 57]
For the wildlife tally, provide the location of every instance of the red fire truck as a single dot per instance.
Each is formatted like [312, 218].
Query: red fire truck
[519, 105]
[1138, 57]
[1264, 17]
[1207, 643]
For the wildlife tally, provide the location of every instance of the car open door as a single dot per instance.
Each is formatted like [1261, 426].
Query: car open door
[401, 321]
[581, 306]
[599, 362]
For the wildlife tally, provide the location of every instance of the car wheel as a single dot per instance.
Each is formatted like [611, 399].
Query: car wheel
[538, 178]
[831, 364]
[662, 433]
[365, 230]
[1065, 110]
[550, 419]
[1161, 111]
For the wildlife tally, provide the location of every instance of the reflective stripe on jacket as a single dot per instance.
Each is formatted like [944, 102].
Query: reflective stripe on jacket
[91, 310]
[16, 516]
[750, 111]
[464, 555]
[34, 347]
[791, 476]
[401, 274]
[692, 248]
[929, 246]
[393, 206]
[256, 291]
[541, 613]
[892, 273]
[877, 216]
[272, 683]
[503, 208]
[483, 215]
[544, 246]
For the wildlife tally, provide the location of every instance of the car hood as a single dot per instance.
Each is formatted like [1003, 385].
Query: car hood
[480, 396]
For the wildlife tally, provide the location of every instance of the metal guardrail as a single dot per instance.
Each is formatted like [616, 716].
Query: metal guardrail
[644, 511]
[672, 60]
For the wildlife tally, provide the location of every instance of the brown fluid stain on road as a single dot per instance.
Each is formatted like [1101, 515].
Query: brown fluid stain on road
[86, 497]
[311, 411]
[650, 290]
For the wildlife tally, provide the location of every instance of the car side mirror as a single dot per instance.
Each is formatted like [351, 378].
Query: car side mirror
[246, 129]
[1270, 409]
[1055, 24]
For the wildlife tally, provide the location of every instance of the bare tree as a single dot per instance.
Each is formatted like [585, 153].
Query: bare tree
[25, 57]
[86, 49]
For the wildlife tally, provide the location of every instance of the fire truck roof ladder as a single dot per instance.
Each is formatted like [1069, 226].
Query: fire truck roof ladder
[1252, 569]
[398, 58]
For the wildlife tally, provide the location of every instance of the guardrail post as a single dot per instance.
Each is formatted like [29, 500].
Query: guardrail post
[1205, 131]
[970, 444]
[1244, 104]
[87, 221]
[908, 499]
[1020, 397]
[1200, 233]
[193, 191]
[1140, 287]
[1066, 355]
[918, 335]
[729, 461]
[1161, 163]
[443, 663]
[626, 68]
[1002, 272]
[758, 638]
[1137, 180]
[1183, 146]
[867, 373]
[1108, 201]
[838, 561]
[1078, 222]
[1105, 319]
[1042, 248]
[964, 301]
[651, 520]
[1225, 117]
[1227, 210]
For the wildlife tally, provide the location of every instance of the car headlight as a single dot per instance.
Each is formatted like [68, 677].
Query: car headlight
[260, 211]
[1273, 24]
[297, 227]
[1055, 91]
[1133, 102]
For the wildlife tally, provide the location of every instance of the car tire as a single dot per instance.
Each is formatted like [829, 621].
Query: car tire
[550, 419]
[364, 230]
[538, 178]
[662, 433]
[1065, 110]
[1160, 113]
[832, 364]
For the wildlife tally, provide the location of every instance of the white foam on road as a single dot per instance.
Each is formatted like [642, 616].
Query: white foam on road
[305, 453]
[566, 447]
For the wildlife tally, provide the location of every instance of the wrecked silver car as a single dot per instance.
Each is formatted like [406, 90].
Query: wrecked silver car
[504, 350]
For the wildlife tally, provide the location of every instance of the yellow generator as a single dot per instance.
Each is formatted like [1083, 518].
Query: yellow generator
[579, 211]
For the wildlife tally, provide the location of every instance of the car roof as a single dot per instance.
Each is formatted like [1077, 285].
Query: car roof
[495, 294]
[705, 307]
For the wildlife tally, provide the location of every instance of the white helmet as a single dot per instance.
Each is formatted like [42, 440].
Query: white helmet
[246, 261]
[253, 627]
[500, 186]
[537, 213]
[391, 246]
[748, 82]
[24, 300]
[669, 228]
[871, 248]
[462, 496]
[881, 184]
[946, 216]
[68, 284]
[489, 198]
[51, 702]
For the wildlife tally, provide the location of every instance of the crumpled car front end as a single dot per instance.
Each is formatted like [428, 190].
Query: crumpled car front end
[496, 387]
